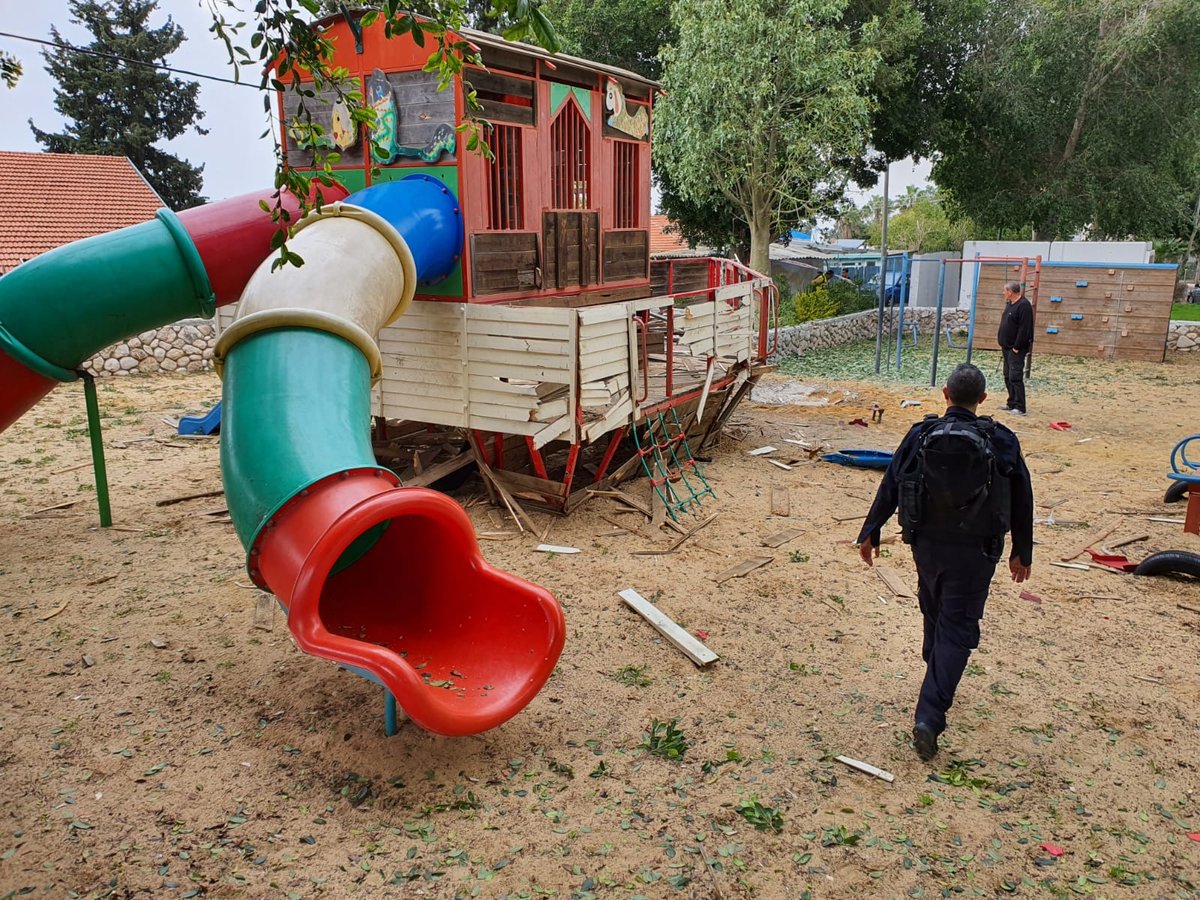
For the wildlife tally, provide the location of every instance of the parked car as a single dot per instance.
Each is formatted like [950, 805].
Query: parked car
[891, 293]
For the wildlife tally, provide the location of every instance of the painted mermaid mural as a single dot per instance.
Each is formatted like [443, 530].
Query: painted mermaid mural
[385, 147]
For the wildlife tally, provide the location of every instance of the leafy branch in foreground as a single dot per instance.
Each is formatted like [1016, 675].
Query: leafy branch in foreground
[281, 41]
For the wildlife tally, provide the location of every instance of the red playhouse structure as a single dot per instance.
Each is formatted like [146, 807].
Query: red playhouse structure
[555, 343]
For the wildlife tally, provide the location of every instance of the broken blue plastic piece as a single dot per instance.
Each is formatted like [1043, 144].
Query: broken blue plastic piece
[1056, 299]
[1076, 316]
[1051, 330]
[1081, 284]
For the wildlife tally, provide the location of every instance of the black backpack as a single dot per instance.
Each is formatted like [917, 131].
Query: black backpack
[955, 486]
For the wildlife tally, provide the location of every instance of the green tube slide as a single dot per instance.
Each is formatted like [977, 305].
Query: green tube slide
[68, 303]
[284, 428]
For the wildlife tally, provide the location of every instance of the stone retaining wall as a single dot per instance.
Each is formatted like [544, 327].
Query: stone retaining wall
[796, 340]
[186, 346]
[1184, 336]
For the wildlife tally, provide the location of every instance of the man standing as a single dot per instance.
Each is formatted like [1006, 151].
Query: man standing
[1015, 338]
[960, 484]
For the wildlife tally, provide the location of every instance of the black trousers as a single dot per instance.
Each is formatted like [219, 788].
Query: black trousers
[1014, 377]
[952, 588]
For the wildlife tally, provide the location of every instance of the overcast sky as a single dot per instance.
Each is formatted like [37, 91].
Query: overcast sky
[235, 159]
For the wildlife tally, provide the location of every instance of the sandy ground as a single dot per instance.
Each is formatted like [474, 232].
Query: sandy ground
[154, 741]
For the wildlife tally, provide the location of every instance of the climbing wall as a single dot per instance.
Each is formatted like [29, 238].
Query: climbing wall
[1104, 312]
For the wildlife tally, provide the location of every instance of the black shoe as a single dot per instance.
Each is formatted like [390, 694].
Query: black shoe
[925, 741]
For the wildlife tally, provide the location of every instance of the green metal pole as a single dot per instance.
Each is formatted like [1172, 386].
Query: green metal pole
[93, 414]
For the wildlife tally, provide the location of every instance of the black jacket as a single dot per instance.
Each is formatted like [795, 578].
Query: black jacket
[1008, 450]
[1016, 326]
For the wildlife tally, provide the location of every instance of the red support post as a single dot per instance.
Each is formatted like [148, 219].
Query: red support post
[498, 450]
[613, 443]
[569, 475]
[535, 455]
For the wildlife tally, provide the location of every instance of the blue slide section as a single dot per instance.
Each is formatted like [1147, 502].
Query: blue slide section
[209, 423]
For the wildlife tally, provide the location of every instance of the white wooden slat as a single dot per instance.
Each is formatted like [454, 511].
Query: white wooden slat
[519, 344]
[614, 417]
[484, 383]
[444, 392]
[563, 429]
[607, 370]
[396, 410]
[550, 410]
[590, 343]
[560, 363]
[414, 375]
[412, 345]
[542, 315]
[524, 372]
[729, 291]
[520, 329]
[591, 358]
[684, 642]
[423, 401]
[508, 401]
[507, 426]
[417, 364]
[609, 312]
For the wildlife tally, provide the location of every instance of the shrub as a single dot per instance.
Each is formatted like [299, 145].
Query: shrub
[851, 297]
[815, 304]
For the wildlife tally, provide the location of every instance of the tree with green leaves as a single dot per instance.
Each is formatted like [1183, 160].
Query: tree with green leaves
[124, 108]
[923, 224]
[1078, 117]
[763, 97]
[10, 69]
[624, 33]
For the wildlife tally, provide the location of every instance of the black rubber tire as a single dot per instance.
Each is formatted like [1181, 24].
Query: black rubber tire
[1176, 492]
[1170, 562]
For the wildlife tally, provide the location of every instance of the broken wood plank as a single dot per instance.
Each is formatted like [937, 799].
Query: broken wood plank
[1163, 520]
[866, 767]
[690, 646]
[780, 465]
[554, 548]
[1067, 565]
[781, 500]
[743, 568]
[1092, 539]
[1188, 608]
[170, 501]
[440, 470]
[71, 469]
[763, 451]
[1113, 545]
[69, 503]
[849, 518]
[677, 543]
[894, 582]
[658, 509]
[779, 538]
[624, 498]
[54, 612]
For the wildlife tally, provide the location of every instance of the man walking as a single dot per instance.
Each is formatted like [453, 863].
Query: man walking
[1015, 338]
[960, 484]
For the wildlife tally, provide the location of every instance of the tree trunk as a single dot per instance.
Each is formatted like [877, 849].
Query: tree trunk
[760, 242]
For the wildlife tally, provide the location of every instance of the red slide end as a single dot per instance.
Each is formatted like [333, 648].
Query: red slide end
[23, 388]
[462, 645]
[234, 236]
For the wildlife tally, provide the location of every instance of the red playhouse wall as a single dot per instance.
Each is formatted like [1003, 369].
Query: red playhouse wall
[467, 172]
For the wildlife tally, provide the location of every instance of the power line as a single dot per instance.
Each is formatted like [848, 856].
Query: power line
[126, 60]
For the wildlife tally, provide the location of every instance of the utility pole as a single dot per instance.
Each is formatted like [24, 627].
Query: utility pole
[882, 271]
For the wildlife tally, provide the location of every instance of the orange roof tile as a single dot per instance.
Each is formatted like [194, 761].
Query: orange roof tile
[665, 239]
[51, 199]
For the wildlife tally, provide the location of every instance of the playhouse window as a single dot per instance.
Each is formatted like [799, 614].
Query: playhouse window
[625, 184]
[505, 212]
[570, 158]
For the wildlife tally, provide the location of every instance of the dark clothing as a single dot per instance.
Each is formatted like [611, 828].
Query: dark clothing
[1014, 377]
[952, 587]
[1016, 326]
[953, 577]
[1008, 453]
